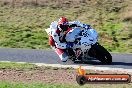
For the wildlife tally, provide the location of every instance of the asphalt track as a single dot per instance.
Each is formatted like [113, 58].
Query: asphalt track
[50, 57]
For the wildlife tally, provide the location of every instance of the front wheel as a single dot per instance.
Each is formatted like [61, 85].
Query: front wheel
[101, 54]
[104, 56]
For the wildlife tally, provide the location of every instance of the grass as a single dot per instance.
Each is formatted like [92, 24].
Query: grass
[28, 66]
[42, 85]
[23, 26]
[13, 65]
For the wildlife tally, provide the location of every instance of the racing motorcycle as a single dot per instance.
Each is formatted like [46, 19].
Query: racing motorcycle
[86, 46]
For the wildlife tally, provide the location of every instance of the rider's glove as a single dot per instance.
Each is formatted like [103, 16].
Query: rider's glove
[69, 45]
[86, 26]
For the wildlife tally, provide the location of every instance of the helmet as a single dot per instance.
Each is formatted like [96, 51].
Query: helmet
[63, 24]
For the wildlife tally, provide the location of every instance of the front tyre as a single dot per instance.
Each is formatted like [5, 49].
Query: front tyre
[103, 55]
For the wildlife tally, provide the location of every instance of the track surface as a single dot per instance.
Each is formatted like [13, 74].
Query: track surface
[50, 57]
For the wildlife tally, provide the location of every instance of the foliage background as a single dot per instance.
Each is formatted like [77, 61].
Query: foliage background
[22, 22]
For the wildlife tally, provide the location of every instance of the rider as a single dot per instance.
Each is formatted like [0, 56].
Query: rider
[58, 33]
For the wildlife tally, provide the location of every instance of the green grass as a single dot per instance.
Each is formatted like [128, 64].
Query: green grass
[23, 27]
[42, 85]
[24, 66]
[14, 65]
[28, 66]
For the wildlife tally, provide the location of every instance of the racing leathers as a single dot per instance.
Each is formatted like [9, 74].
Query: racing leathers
[55, 38]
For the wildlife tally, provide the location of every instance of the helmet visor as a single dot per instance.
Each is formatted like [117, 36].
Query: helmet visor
[64, 27]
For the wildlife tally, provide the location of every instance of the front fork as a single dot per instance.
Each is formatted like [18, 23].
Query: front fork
[76, 54]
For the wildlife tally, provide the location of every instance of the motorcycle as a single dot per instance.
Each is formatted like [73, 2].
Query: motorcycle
[86, 46]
